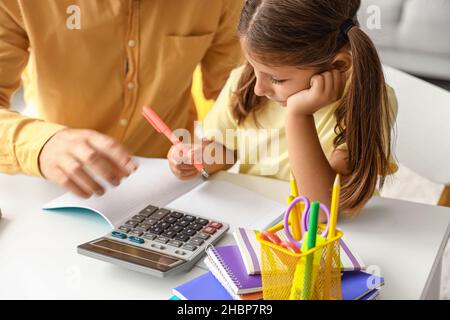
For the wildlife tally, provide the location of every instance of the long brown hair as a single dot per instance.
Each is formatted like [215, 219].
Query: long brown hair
[309, 34]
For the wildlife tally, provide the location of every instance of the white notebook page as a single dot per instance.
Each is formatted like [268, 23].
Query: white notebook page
[153, 183]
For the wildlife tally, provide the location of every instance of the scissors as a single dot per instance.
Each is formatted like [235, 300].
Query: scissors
[305, 219]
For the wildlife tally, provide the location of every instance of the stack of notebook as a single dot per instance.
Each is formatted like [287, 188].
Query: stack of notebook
[235, 274]
[226, 280]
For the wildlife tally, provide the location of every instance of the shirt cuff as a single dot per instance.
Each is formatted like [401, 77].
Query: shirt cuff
[32, 139]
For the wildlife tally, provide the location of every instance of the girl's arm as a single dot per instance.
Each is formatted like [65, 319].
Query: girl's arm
[314, 173]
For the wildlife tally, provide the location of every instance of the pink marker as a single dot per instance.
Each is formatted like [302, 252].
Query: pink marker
[161, 127]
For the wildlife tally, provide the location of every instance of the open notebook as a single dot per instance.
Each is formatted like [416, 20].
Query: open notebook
[155, 184]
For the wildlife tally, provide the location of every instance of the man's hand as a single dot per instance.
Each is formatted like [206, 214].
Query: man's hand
[326, 88]
[72, 157]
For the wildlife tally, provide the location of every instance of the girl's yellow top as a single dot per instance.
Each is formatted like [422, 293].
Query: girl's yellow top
[262, 146]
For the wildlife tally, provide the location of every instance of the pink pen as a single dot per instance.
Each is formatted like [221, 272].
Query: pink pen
[161, 127]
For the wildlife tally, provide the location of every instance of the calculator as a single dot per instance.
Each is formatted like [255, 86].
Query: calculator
[157, 241]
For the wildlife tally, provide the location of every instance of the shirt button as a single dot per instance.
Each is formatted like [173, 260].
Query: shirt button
[132, 43]
[123, 122]
[130, 85]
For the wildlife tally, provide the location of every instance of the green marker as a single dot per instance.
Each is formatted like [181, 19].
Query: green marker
[312, 225]
[311, 243]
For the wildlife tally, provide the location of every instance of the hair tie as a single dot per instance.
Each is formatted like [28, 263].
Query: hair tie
[346, 26]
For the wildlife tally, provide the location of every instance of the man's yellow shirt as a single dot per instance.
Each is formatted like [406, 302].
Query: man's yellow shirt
[94, 64]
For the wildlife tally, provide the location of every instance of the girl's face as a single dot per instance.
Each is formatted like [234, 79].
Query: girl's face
[281, 82]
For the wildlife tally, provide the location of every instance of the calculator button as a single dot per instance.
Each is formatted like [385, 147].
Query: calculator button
[138, 217]
[175, 228]
[163, 225]
[159, 214]
[215, 225]
[131, 223]
[189, 247]
[176, 215]
[156, 230]
[183, 223]
[196, 241]
[188, 231]
[169, 234]
[209, 230]
[181, 253]
[162, 240]
[150, 221]
[175, 243]
[149, 236]
[124, 228]
[170, 220]
[144, 226]
[203, 235]
[202, 221]
[136, 240]
[135, 233]
[182, 237]
[157, 246]
[119, 235]
[189, 218]
[148, 210]
[196, 226]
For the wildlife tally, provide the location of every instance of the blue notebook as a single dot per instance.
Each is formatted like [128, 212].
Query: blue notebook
[355, 285]
[204, 287]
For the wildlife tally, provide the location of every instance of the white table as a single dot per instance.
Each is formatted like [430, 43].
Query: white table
[38, 256]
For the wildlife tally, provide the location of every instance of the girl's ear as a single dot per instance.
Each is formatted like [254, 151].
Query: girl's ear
[343, 61]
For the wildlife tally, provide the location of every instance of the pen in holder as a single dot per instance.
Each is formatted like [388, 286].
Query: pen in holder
[312, 274]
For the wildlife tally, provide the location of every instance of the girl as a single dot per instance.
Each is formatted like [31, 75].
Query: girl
[315, 77]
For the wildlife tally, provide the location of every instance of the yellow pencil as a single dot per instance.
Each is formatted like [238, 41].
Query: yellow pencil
[294, 190]
[295, 217]
[334, 212]
[331, 234]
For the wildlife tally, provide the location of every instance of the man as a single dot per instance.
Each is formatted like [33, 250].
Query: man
[88, 67]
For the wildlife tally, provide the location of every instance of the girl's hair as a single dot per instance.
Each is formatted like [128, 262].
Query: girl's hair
[308, 34]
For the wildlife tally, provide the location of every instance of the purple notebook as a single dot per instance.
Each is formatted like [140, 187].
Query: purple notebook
[229, 265]
[355, 285]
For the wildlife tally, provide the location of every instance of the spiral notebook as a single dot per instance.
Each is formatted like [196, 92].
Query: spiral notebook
[227, 264]
[219, 278]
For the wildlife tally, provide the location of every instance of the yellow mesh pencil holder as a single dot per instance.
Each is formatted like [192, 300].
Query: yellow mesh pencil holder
[310, 275]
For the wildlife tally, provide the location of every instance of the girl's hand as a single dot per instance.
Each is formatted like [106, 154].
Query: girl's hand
[326, 88]
[181, 164]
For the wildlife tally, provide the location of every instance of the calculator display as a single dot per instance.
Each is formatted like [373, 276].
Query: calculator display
[133, 254]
